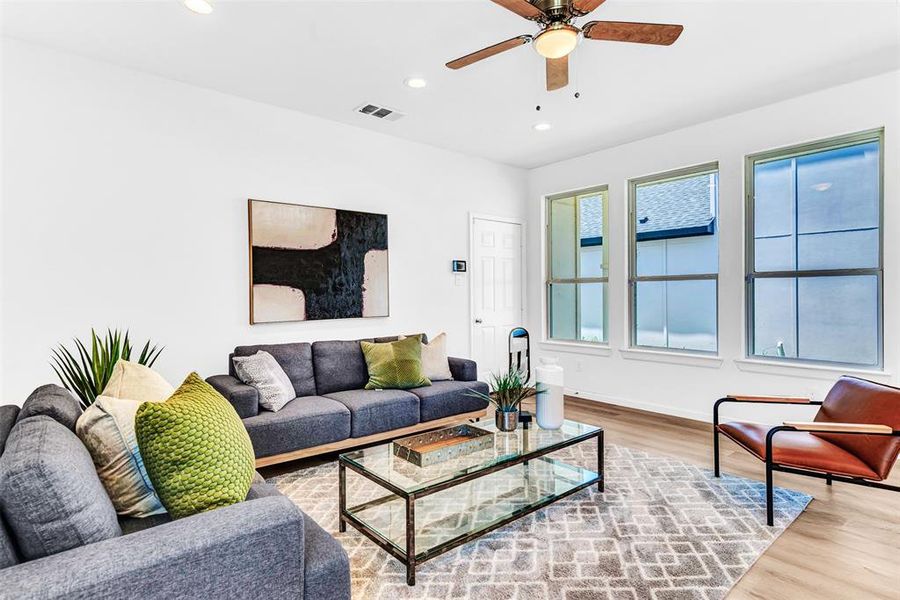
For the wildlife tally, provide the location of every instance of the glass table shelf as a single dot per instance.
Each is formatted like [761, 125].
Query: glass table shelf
[475, 506]
[416, 513]
[379, 461]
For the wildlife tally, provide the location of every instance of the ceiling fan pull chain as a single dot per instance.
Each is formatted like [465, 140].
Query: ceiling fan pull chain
[573, 63]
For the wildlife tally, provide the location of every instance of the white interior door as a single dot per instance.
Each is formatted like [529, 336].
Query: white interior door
[496, 271]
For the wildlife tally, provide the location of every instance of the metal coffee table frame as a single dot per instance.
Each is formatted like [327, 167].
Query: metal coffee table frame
[410, 557]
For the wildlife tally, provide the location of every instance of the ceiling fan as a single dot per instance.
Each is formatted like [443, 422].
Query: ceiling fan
[558, 36]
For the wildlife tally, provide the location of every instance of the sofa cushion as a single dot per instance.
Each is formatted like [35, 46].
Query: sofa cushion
[106, 429]
[326, 568]
[295, 359]
[340, 366]
[374, 411]
[446, 398]
[302, 423]
[195, 449]
[8, 554]
[50, 495]
[8, 416]
[53, 401]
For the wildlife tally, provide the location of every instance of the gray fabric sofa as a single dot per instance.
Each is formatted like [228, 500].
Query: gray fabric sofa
[332, 406]
[60, 536]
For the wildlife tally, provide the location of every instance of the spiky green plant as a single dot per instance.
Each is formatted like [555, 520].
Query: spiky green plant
[86, 373]
[508, 391]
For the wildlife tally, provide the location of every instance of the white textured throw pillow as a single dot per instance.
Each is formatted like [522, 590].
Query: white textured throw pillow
[435, 365]
[263, 372]
[106, 429]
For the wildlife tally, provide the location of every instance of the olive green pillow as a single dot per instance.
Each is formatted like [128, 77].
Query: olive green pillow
[395, 365]
[195, 449]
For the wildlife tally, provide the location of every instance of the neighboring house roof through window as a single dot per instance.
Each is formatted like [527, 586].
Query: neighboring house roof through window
[680, 208]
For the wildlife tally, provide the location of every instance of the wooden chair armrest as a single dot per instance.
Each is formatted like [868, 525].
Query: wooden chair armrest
[770, 399]
[825, 427]
[760, 400]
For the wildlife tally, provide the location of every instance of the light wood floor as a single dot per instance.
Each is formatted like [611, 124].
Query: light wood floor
[845, 546]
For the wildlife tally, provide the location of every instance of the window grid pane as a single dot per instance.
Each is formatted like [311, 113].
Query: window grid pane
[577, 299]
[677, 315]
[817, 214]
[562, 238]
[674, 265]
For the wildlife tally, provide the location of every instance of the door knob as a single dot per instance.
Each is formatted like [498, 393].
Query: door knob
[478, 321]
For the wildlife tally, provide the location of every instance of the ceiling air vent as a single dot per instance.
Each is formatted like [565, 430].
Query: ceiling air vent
[379, 112]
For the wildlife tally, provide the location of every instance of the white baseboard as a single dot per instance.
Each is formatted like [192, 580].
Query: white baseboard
[648, 406]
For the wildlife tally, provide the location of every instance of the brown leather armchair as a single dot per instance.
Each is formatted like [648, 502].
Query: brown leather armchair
[855, 437]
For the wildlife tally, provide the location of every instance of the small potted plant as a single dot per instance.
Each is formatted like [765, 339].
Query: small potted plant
[508, 390]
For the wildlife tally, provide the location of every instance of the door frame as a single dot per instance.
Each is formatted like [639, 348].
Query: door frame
[522, 250]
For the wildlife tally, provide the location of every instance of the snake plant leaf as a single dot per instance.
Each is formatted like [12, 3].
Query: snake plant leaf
[508, 390]
[86, 372]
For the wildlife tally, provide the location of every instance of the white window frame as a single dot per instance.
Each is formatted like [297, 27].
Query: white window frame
[634, 278]
[550, 280]
[750, 273]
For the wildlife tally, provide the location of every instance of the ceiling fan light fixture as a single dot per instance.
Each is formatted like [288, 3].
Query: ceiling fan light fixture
[201, 7]
[557, 41]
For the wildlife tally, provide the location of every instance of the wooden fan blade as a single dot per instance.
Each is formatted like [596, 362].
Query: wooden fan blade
[488, 52]
[523, 8]
[557, 73]
[638, 33]
[583, 7]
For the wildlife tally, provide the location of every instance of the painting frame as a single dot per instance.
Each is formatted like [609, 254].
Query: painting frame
[380, 222]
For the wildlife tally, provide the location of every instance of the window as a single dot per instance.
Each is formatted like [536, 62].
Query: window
[675, 259]
[814, 260]
[577, 266]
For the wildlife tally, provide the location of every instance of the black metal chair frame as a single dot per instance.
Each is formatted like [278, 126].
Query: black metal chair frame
[773, 466]
[518, 354]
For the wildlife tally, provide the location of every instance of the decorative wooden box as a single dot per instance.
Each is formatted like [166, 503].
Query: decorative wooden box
[433, 447]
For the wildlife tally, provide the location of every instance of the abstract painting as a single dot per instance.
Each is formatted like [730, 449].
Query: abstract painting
[309, 263]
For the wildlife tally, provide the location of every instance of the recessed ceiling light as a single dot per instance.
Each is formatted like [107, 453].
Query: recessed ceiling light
[415, 82]
[822, 187]
[543, 127]
[202, 7]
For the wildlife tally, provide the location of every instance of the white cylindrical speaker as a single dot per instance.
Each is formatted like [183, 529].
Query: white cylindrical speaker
[549, 381]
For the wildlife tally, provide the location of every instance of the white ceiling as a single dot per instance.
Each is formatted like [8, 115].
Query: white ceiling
[325, 58]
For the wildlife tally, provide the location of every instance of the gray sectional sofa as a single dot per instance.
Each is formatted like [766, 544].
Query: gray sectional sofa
[60, 536]
[332, 410]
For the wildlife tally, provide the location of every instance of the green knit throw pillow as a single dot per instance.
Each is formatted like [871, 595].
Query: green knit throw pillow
[195, 448]
[395, 365]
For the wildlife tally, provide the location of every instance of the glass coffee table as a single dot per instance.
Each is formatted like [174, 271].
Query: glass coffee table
[430, 510]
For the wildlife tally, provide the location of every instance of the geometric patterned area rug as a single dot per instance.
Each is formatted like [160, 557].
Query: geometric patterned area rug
[663, 530]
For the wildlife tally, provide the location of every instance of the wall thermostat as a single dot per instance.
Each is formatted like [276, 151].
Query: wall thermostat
[459, 266]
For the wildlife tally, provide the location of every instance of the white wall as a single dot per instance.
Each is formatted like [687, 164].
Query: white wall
[125, 204]
[689, 387]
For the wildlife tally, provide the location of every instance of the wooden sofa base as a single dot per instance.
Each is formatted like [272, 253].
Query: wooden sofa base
[369, 439]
